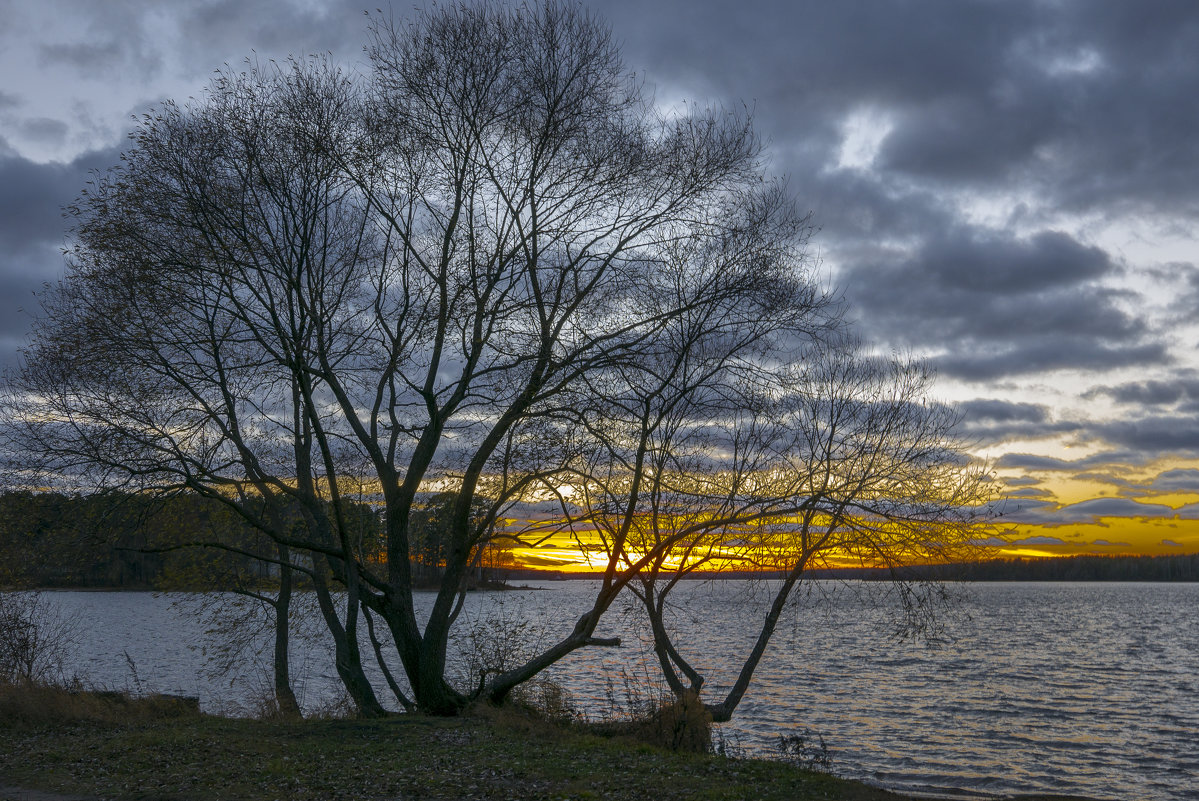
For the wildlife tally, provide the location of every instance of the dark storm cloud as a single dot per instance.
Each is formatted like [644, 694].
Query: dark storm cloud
[206, 34]
[1083, 106]
[1036, 463]
[134, 41]
[130, 42]
[266, 26]
[33, 195]
[981, 261]
[991, 421]
[1181, 392]
[1002, 306]
[981, 283]
[1091, 102]
[1154, 433]
[32, 233]
[1021, 481]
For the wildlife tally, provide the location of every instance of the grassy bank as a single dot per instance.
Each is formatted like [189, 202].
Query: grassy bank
[111, 748]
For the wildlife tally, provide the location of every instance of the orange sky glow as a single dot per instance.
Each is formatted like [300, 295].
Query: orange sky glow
[1106, 536]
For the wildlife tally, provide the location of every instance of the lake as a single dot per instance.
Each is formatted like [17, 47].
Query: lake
[1067, 688]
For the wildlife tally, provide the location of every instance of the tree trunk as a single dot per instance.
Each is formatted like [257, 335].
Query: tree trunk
[347, 658]
[285, 697]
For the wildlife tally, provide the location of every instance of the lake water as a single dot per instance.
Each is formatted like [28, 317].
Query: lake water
[1085, 689]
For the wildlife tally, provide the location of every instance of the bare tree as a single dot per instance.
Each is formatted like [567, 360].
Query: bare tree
[494, 268]
[172, 359]
[846, 462]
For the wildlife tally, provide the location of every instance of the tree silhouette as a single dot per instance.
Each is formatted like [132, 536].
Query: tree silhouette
[493, 268]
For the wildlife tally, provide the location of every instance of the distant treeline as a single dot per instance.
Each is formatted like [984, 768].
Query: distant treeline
[1184, 567]
[131, 541]
[1066, 568]
[122, 540]
[49, 539]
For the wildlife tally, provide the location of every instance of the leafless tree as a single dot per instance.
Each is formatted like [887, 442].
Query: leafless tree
[491, 267]
[173, 356]
[846, 461]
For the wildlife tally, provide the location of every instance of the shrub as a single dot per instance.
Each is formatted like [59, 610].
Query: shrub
[35, 639]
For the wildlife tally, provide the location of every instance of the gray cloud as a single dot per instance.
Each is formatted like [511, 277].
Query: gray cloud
[1080, 467]
[267, 26]
[1085, 107]
[1039, 540]
[1179, 480]
[44, 128]
[1023, 510]
[86, 56]
[1003, 306]
[1182, 388]
[1097, 508]
[980, 362]
[982, 261]
[32, 233]
[997, 411]
[1021, 481]
[1102, 477]
[1153, 433]
[1091, 103]
[1028, 461]
[1030, 492]
[1085, 512]
[992, 421]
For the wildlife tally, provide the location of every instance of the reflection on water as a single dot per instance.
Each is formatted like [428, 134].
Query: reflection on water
[1057, 688]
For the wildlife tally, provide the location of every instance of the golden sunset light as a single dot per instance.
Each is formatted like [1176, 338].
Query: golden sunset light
[493, 399]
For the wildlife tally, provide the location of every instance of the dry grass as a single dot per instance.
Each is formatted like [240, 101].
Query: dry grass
[31, 704]
[102, 746]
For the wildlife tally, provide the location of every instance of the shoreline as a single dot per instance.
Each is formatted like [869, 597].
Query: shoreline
[59, 746]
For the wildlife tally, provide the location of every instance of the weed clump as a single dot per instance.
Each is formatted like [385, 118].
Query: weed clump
[802, 751]
[677, 724]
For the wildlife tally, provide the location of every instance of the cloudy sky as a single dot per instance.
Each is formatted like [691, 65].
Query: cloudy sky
[1010, 187]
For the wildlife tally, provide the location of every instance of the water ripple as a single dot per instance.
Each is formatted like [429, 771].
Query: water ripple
[1071, 689]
